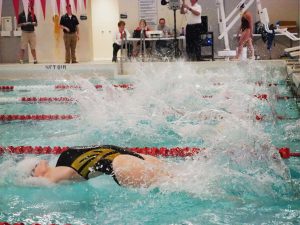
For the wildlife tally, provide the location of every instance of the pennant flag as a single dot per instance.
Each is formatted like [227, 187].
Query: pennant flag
[53, 6]
[80, 11]
[63, 7]
[16, 8]
[0, 8]
[37, 9]
[84, 4]
[25, 6]
[32, 5]
[75, 4]
[68, 2]
[58, 6]
[43, 3]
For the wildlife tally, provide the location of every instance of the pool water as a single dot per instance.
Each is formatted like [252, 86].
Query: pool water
[238, 179]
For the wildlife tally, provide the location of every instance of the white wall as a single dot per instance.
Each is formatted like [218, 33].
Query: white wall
[48, 50]
[105, 16]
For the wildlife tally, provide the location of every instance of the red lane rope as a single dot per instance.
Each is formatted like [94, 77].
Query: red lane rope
[265, 97]
[154, 151]
[49, 117]
[37, 117]
[260, 83]
[46, 99]
[260, 117]
[20, 223]
[6, 88]
[62, 87]
[286, 153]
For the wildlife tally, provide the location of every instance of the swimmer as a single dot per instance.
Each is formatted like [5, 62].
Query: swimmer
[245, 33]
[127, 168]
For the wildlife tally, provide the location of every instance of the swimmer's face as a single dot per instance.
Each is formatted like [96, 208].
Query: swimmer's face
[40, 168]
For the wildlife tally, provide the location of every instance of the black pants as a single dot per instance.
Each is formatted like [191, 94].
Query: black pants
[117, 47]
[193, 41]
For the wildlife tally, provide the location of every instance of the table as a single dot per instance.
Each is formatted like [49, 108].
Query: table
[152, 40]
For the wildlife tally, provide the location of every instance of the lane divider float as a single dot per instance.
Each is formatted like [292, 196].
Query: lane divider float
[39, 100]
[58, 87]
[265, 97]
[286, 153]
[38, 117]
[154, 151]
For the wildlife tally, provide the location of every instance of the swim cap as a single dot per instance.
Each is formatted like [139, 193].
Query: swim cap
[25, 167]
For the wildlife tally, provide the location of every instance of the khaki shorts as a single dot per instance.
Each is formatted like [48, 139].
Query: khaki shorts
[28, 38]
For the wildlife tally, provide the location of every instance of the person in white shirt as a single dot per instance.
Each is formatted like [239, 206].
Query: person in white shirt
[193, 29]
[121, 34]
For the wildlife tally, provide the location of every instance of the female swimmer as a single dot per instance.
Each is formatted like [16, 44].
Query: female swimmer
[127, 168]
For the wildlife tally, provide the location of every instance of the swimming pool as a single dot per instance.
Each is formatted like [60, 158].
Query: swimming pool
[238, 179]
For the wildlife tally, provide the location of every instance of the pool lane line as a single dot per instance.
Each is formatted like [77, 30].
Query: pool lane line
[54, 117]
[7, 88]
[154, 151]
[37, 117]
[65, 100]
[284, 152]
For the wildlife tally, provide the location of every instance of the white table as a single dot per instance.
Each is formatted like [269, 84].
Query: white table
[154, 39]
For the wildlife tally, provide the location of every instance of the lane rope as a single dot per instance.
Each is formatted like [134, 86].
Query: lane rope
[58, 87]
[38, 117]
[154, 151]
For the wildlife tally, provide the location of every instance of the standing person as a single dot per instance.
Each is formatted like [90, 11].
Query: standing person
[120, 35]
[69, 23]
[245, 33]
[193, 29]
[28, 32]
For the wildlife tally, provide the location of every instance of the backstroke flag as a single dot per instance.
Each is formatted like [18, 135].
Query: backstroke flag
[0, 9]
[25, 6]
[16, 8]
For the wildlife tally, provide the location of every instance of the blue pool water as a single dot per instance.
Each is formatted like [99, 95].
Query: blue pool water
[238, 179]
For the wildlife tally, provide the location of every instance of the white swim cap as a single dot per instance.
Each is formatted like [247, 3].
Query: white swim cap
[25, 167]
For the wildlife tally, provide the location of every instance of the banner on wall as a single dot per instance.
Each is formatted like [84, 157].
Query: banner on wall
[16, 8]
[148, 11]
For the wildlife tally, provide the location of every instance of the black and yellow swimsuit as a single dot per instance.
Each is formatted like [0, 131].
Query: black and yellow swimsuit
[86, 161]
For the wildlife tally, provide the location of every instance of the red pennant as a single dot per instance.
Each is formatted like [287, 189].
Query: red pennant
[75, 2]
[85, 4]
[16, 8]
[58, 6]
[31, 3]
[68, 2]
[43, 3]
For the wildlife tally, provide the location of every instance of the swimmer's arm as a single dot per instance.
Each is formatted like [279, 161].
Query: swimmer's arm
[59, 174]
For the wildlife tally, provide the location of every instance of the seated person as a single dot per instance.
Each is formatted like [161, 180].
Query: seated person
[141, 29]
[121, 34]
[164, 47]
